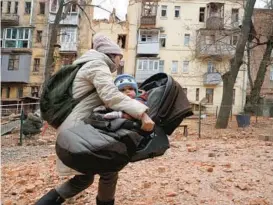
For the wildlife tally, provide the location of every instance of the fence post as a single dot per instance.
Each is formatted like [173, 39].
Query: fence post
[21, 125]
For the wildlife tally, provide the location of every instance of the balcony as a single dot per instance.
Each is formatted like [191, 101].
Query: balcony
[146, 67]
[148, 20]
[72, 19]
[68, 47]
[215, 16]
[212, 78]
[215, 23]
[9, 19]
[149, 48]
[20, 70]
[218, 44]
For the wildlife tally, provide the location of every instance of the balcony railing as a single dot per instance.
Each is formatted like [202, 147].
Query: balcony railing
[148, 20]
[150, 48]
[213, 78]
[10, 19]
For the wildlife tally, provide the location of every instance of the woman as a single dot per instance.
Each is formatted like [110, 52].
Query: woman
[98, 64]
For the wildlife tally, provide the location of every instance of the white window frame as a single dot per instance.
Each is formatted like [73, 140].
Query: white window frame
[17, 38]
[161, 65]
[177, 8]
[186, 66]
[211, 67]
[164, 8]
[174, 68]
[151, 64]
[68, 35]
[187, 37]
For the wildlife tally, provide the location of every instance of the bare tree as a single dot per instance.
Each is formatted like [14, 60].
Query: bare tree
[230, 76]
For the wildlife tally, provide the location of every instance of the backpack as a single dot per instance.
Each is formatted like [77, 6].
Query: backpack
[57, 101]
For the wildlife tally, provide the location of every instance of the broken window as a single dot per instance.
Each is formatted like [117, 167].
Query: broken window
[162, 40]
[36, 65]
[8, 7]
[27, 7]
[235, 15]
[39, 36]
[209, 95]
[16, 7]
[122, 40]
[42, 7]
[53, 6]
[202, 14]
[13, 62]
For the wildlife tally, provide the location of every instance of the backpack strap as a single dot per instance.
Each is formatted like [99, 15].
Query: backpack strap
[85, 95]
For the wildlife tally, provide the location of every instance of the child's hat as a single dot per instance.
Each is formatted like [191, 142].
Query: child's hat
[124, 80]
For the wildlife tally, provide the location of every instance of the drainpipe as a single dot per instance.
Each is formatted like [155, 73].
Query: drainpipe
[31, 12]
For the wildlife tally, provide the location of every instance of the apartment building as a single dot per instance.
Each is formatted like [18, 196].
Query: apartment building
[23, 48]
[191, 40]
[25, 42]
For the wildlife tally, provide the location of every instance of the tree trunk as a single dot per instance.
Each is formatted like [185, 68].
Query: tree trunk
[256, 89]
[248, 66]
[53, 29]
[235, 64]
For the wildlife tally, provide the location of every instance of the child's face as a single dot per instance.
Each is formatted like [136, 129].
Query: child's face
[129, 91]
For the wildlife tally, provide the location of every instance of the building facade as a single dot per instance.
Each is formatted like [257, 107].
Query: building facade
[191, 40]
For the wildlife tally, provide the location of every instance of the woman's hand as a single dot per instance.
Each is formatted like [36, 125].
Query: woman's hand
[147, 123]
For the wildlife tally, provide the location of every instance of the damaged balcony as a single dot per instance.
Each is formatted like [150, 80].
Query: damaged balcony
[9, 19]
[216, 43]
[148, 13]
[215, 16]
[148, 42]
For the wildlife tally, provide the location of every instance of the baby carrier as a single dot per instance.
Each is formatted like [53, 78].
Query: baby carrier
[99, 145]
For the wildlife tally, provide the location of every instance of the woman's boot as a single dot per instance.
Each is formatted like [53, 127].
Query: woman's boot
[51, 198]
[112, 202]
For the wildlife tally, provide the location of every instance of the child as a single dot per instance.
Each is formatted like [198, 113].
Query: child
[127, 85]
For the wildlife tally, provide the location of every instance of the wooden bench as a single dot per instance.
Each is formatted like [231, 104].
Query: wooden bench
[185, 132]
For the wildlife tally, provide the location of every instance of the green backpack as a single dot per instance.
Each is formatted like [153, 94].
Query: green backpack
[57, 101]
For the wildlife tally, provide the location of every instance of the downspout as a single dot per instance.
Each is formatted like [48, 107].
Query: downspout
[31, 12]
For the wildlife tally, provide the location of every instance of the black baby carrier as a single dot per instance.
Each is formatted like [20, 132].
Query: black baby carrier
[98, 145]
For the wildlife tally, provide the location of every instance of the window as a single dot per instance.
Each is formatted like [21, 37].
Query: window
[54, 5]
[35, 91]
[122, 40]
[174, 66]
[42, 7]
[146, 38]
[234, 40]
[235, 15]
[17, 38]
[162, 40]
[211, 67]
[148, 64]
[20, 92]
[209, 95]
[161, 65]
[233, 96]
[16, 7]
[68, 35]
[271, 74]
[8, 7]
[8, 92]
[197, 94]
[177, 11]
[13, 62]
[27, 7]
[202, 14]
[185, 90]
[186, 39]
[36, 65]
[185, 68]
[39, 36]
[164, 11]
[73, 8]
[210, 39]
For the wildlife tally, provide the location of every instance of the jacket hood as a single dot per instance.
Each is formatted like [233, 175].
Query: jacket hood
[92, 55]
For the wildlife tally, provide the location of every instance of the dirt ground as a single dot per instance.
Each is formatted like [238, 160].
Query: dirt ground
[223, 167]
